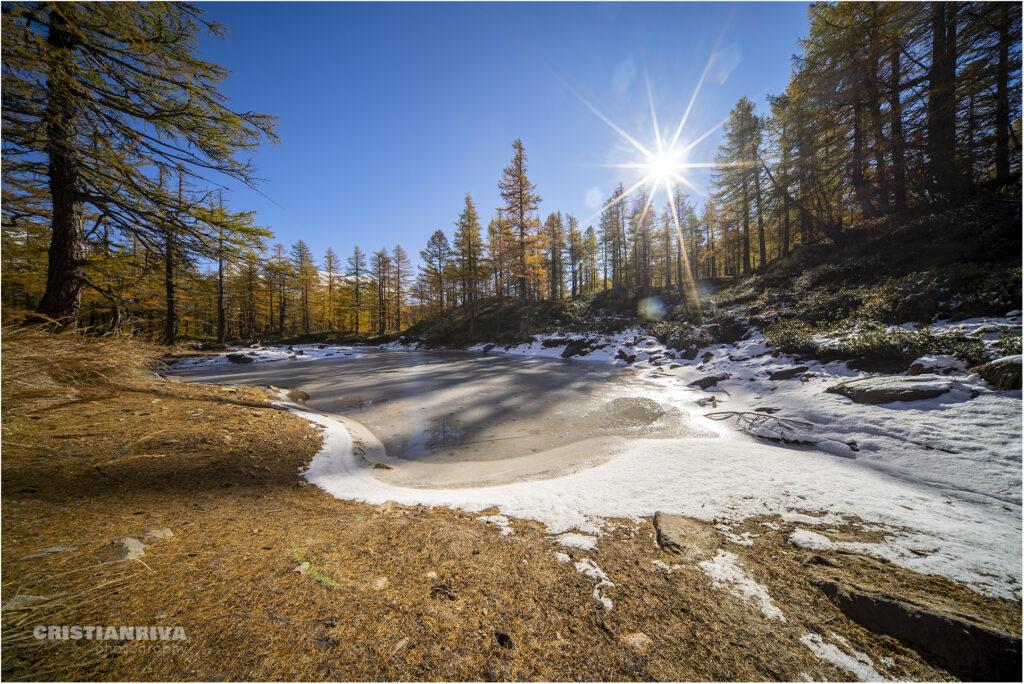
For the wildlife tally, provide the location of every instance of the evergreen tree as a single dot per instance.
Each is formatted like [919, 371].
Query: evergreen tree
[521, 200]
[356, 272]
[96, 95]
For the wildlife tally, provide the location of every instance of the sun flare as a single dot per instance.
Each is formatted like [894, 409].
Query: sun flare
[663, 167]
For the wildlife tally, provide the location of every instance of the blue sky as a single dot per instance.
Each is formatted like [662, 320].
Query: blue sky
[391, 112]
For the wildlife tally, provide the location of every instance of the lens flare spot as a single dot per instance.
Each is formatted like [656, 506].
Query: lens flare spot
[653, 308]
[724, 62]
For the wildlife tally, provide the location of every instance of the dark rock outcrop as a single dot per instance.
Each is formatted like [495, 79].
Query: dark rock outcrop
[968, 649]
[1003, 374]
[239, 358]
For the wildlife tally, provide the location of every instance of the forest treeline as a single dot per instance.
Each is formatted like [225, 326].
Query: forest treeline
[112, 127]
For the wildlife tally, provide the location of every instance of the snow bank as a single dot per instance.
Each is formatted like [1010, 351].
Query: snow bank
[728, 480]
[298, 352]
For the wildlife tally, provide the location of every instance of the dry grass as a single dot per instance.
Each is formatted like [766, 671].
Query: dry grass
[218, 466]
[39, 367]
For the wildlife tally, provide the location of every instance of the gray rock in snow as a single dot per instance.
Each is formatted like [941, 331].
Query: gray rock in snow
[710, 380]
[239, 358]
[882, 389]
[788, 373]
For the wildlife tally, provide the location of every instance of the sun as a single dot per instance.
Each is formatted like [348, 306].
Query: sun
[664, 167]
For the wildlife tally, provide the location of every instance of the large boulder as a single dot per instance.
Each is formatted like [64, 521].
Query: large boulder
[788, 373]
[576, 347]
[941, 364]
[710, 380]
[1003, 374]
[692, 539]
[882, 389]
[239, 358]
[969, 649]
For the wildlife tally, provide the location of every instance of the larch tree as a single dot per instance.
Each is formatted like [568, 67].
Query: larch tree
[521, 200]
[332, 267]
[356, 272]
[468, 248]
[95, 96]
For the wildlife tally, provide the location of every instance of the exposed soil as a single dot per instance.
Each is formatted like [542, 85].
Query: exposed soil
[219, 467]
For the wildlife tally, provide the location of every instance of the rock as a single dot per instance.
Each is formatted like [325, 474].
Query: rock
[816, 559]
[158, 534]
[882, 389]
[239, 358]
[379, 583]
[21, 602]
[710, 380]
[579, 347]
[487, 348]
[48, 551]
[967, 649]
[638, 641]
[1003, 374]
[129, 548]
[443, 591]
[685, 536]
[812, 541]
[399, 645]
[707, 357]
[941, 364]
[431, 575]
[788, 373]
[302, 568]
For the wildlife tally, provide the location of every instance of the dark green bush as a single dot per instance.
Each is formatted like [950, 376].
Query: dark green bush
[790, 336]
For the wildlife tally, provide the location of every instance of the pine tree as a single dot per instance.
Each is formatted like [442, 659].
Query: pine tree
[521, 200]
[356, 272]
[95, 96]
[401, 274]
[436, 256]
[468, 248]
[332, 266]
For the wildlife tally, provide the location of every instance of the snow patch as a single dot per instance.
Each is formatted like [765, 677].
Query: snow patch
[805, 539]
[859, 665]
[577, 541]
[725, 573]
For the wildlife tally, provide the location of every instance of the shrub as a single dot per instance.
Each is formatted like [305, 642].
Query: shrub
[896, 344]
[790, 336]
[1009, 343]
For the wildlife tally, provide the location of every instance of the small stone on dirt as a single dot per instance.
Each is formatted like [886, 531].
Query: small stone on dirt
[158, 534]
[48, 551]
[379, 583]
[129, 548]
[21, 602]
[399, 645]
[638, 641]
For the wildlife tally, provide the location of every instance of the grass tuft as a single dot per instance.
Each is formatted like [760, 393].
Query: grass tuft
[41, 367]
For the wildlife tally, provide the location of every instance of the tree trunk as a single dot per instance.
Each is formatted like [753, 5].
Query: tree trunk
[65, 275]
[899, 166]
[942, 99]
[760, 218]
[860, 188]
[1002, 122]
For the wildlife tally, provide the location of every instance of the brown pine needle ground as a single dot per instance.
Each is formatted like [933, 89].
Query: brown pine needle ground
[219, 466]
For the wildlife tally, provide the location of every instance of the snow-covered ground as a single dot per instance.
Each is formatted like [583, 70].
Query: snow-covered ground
[940, 477]
[297, 352]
